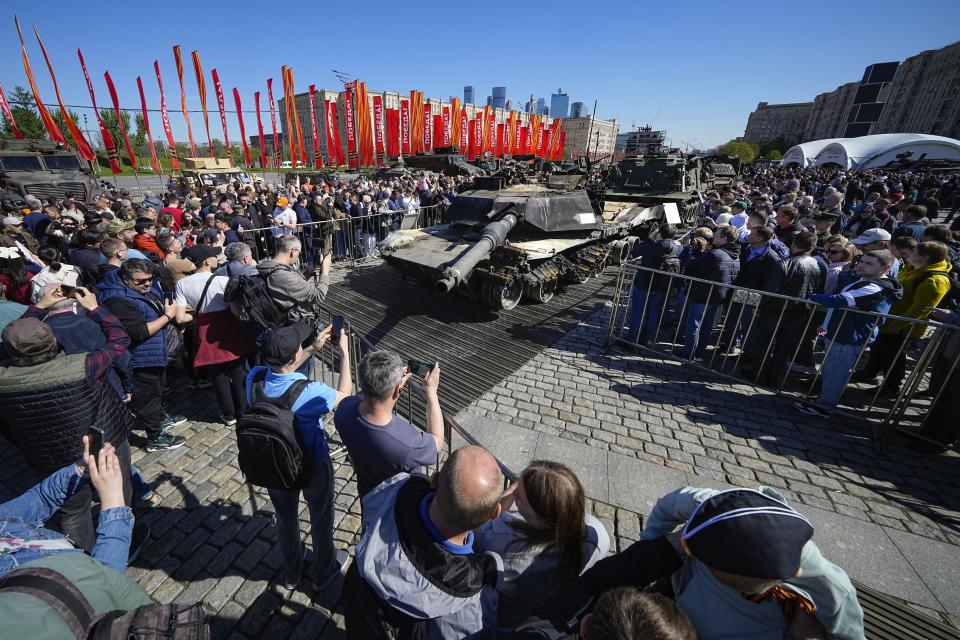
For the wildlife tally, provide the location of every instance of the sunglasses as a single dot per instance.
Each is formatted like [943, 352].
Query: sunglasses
[142, 281]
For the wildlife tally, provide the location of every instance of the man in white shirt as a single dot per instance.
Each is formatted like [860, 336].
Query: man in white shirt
[284, 219]
[222, 342]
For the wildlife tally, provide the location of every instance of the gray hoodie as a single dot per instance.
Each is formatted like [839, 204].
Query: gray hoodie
[410, 580]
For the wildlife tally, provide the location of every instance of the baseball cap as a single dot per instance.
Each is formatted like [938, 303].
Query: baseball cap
[282, 201]
[10, 220]
[28, 340]
[200, 252]
[117, 225]
[283, 343]
[826, 215]
[194, 202]
[871, 235]
[76, 216]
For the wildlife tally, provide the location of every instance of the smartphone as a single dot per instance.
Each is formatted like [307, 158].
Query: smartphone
[419, 368]
[337, 327]
[95, 435]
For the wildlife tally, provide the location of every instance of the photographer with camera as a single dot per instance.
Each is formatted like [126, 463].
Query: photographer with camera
[381, 443]
[290, 291]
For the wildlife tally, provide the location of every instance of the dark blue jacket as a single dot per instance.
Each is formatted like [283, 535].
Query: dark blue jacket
[913, 229]
[147, 352]
[652, 255]
[718, 265]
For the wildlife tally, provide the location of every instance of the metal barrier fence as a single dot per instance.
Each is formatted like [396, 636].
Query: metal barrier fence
[412, 404]
[350, 239]
[777, 342]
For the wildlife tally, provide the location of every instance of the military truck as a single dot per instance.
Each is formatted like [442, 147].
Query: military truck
[199, 173]
[47, 169]
[526, 240]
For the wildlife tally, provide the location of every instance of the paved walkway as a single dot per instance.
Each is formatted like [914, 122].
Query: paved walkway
[632, 428]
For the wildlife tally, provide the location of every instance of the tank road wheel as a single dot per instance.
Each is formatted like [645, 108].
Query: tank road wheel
[502, 295]
[620, 252]
[541, 292]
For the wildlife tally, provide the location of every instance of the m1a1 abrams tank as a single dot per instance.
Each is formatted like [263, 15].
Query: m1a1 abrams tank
[522, 241]
[652, 182]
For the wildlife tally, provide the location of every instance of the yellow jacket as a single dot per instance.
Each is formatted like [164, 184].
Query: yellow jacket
[918, 299]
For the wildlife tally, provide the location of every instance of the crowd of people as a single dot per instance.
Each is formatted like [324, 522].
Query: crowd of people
[98, 302]
[838, 250]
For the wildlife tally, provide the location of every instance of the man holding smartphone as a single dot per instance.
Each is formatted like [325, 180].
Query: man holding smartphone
[284, 352]
[381, 443]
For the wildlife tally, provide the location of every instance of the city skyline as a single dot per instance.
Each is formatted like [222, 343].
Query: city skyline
[676, 92]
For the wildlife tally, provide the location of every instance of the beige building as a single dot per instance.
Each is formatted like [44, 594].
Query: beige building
[919, 95]
[589, 136]
[925, 95]
[828, 117]
[771, 121]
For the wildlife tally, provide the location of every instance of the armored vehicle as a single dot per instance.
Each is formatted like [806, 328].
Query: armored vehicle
[652, 181]
[526, 240]
[46, 169]
[199, 173]
[448, 164]
[722, 170]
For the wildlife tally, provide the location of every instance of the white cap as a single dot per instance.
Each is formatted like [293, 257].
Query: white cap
[872, 235]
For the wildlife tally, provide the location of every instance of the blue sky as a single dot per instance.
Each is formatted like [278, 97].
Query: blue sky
[695, 68]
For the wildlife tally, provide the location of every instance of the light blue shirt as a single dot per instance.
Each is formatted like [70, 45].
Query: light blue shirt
[309, 409]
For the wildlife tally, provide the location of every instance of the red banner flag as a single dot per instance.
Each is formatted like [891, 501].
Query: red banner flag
[178, 59]
[287, 107]
[296, 117]
[218, 88]
[491, 132]
[55, 134]
[378, 127]
[329, 111]
[165, 119]
[317, 160]
[561, 144]
[427, 128]
[146, 126]
[5, 106]
[478, 133]
[405, 126]
[463, 130]
[472, 148]
[104, 133]
[446, 127]
[339, 160]
[437, 130]
[393, 132]
[365, 148]
[243, 132]
[351, 134]
[273, 121]
[416, 122]
[202, 90]
[499, 140]
[116, 107]
[263, 146]
[524, 133]
[455, 121]
[83, 147]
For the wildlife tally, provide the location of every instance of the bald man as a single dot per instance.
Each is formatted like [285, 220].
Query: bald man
[415, 572]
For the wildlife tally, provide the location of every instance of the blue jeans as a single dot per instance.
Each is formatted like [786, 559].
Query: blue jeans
[24, 516]
[835, 370]
[286, 504]
[654, 303]
[701, 319]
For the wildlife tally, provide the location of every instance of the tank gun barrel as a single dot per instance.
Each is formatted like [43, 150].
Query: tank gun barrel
[493, 236]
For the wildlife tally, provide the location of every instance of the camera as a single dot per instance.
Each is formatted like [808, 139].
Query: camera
[312, 338]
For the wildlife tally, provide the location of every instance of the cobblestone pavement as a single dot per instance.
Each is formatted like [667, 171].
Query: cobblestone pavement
[213, 538]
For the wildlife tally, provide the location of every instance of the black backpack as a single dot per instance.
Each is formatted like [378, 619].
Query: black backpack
[257, 309]
[149, 622]
[271, 451]
[670, 263]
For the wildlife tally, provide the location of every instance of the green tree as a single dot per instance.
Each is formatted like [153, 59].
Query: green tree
[62, 123]
[738, 149]
[139, 141]
[25, 114]
[774, 155]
